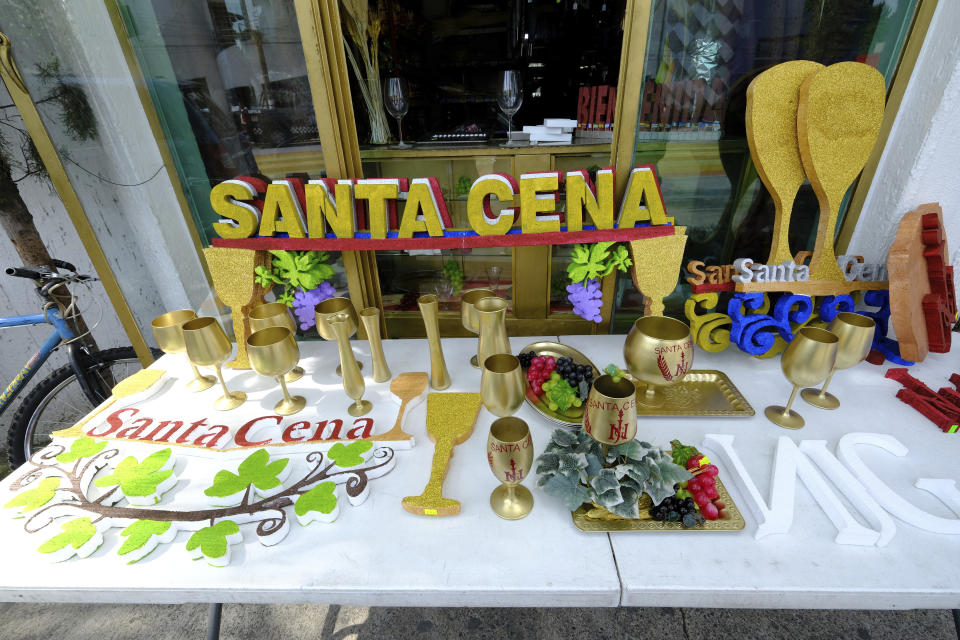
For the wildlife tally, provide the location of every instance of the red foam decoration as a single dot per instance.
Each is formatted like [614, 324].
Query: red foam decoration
[951, 395]
[715, 287]
[955, 379]
[926, 408]
[876, 357]
[899, 374]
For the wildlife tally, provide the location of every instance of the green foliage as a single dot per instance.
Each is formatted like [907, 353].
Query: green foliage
[37, 497]
[76, 533]
[463, 185]
[256, 470]
[349, 455]
[139, 532]
[454, 275]
[573, 469]
[614, 372]
[681, 452]
[81, 448]
[139, 479]
[619, 260]
[321, 498]
[559, 395]
[212, 541]
[590, 262]
[292, 270]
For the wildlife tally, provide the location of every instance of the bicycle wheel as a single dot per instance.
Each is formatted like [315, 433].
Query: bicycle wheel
[58, 402]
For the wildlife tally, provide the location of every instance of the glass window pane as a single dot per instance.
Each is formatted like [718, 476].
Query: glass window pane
[701, 56]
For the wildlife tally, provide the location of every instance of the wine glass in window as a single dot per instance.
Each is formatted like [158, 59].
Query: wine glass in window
[510, 97]
[395, 97]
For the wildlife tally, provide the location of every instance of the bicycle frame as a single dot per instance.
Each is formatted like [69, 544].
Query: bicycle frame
[61, 332]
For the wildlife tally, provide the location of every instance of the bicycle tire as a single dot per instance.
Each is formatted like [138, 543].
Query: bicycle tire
[23, 437]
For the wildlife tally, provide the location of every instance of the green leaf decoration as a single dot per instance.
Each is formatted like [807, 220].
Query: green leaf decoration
[212, 541]
[548, 463]
[302, 269]
[681, 452]
[588, 262]
[256, 470]
[605, 481]
[81, 448]
[76, 533]
[569, 490]
[629, 505]
[139, 479]
[619, 259]
[564, 437]
[349, 455]
[37, 497]
[265, 277]
[666, 474]
[139, 533]
[321, 498]
[633, 449]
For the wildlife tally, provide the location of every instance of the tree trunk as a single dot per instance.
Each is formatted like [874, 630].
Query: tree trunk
[16, 220]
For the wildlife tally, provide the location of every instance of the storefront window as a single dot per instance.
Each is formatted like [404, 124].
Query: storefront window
[701, 56]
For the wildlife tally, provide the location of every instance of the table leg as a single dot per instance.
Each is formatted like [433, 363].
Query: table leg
[213, 621]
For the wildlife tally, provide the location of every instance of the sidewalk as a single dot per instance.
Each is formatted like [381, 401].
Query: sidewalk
[296, 622]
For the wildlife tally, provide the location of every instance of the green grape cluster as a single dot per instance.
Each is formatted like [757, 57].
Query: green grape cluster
[454, 274]
[559, 394]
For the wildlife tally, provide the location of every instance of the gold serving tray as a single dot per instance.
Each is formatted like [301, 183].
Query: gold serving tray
[702, 392]
[572, 417]
[734, 521]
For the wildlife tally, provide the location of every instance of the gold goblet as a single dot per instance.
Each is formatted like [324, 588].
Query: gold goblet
[502, 386]
[510, 454]
[276, 314]
[658, 353]
[329, 308]
[208, 346]
[352, 379]
[611, 414]
[468, 314]
[807, 360]
[855, 332]
[273, 353]
[168, 331]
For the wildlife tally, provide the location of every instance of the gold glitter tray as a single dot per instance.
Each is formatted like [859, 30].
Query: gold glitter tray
[702, 392]
[733, 522]
[572, 417]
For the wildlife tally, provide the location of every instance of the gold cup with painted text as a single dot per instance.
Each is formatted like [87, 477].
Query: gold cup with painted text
[659, 353]
[855, 332]
[276, 314]
[468, 314]
[808, 359]
[502, 385]
[208, 346]
[510, 456]
[330, 307]
[273, 353]
[168, 332]
[610, 417]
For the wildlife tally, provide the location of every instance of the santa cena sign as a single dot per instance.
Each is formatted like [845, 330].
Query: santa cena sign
[297, 213]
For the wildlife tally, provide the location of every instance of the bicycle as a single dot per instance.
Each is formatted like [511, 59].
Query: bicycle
[70, 392]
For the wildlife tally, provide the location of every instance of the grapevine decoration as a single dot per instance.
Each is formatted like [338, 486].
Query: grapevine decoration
[303, 276]
[56, 488]
[454, 275]
[588, 264]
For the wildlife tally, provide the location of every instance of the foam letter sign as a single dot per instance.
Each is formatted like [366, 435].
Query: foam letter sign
[282, 212]
[425, 210]
[479, 213]
[231, 200]
[642, 201]
[330, 202]
[538, 194]
[596, 201]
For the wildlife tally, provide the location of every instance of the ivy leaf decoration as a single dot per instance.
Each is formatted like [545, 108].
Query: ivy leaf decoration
[76, 533]
[213, 542]
[265, 277]
[349, 455]
[320, 503]
[302, 269]
[35, 498]
[605, 481]
[568, 489]
[548, 463]
[81, 448]
[139, 535]
[587, 264]
[139, 479]
[667, 474]
[619, 259]
[256, 470]
[629, 505]
[286, 297]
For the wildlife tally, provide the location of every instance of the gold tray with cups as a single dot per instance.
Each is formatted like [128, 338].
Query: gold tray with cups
[572, 417]
[701, 393]
[733, 522]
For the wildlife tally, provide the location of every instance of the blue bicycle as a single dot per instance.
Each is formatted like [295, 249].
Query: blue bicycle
[70, 392]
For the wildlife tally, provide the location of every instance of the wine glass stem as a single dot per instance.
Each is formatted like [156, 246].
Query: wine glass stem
[793, 395]
[509, 126]
[400, 129]
[823, 389]
[511, 492]
[283, 386]
[226, 392]
[196, 372]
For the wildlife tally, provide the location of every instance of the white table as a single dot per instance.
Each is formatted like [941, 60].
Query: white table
[377, 554]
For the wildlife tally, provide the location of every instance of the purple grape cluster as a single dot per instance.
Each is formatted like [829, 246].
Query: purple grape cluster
[305, 301]
[586, 298]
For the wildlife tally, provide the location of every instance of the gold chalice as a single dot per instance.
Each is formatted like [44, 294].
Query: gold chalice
[468, 314]
[855, 332]
[658, 353]
[168, 331]
[510, 454]
[329, 308]
[273, 353]
[352, 379]
[611, 414]
[807, 360]
[275, 314]
[502, 386]
[208, 346]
